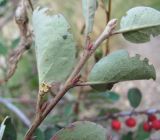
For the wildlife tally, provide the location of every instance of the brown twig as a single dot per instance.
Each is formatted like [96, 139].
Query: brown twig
[25, 41]
[109, 10]
[31, 5]
[77, 103]
[69, 84]
[108, 16]
[124, 114]
[83, 29]
[15, 56]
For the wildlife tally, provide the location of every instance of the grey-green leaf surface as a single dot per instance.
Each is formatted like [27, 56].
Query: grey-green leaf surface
[134, 97]
[119, 66]
[9, 132]
[55, 46]
[81, 130]
[89, 7]
[140, 24]
[108, 96]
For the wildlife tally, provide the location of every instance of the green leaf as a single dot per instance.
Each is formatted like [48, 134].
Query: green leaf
[118, 66]
[55, 47]
[38, 135]
[134, 97]
[82, 130]
[109, 96]
[140, 24]
[89, 7]
[141, 134]
[9, 130]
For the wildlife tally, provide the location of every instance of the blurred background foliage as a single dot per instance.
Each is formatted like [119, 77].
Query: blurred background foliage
[22, 88]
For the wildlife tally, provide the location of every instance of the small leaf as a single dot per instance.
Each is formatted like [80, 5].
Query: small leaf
[55, 47]
[134, 97]
[141, 134]
[9, 132]
[118, 66]
[109, 96]
[140, 24]
[89, 7]
[81, 130]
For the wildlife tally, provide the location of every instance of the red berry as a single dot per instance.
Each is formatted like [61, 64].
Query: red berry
[147, 127]
[130, 122]
[156, 124]
[152, 117]
[116, 125]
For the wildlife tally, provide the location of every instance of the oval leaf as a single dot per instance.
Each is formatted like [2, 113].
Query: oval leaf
[55, 47]
[9, 130]
[134, 97]
[82, 130]
[140, 134]
[118, 66]
[140, 23]
[89, 7]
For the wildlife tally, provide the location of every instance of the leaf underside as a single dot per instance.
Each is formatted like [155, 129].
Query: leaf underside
[81, 130]
[117, 67]
[140, 24]
[55, 46]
